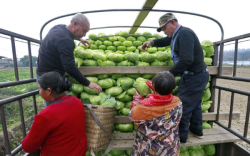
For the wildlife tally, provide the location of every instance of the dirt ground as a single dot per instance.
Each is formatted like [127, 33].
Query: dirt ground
[240, 101]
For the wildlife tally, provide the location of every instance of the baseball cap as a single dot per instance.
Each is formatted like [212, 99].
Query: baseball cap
[165, 19]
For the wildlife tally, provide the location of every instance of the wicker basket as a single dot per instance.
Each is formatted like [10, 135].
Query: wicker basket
[97, 138]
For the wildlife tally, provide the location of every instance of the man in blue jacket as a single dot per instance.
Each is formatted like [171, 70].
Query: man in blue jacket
[187, 55]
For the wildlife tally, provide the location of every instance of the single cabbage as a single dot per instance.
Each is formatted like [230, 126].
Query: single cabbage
[98, 42]
[131, 48]
[95, 100]
[147, 34]
[148, 76]
[89, 90]
[125, 82]
[102, 38]
[119, 105]
[208, 46]
[121, 48]
[209, 149]
[162, 56]
[208, 61]
[77, 88]
[206, 95]
[113, 48]
[131, 91]
[82, 53]
[102, 76]
[132, 57]
[108, 101]
[130, 38]
[89, 63]
[115, 57]
[78, 62]
[125, 63]
[116, 76]
[99, 56]
[137, 43]
[105, 83]
[114, 91]
[92, 36]
[117, 43]
[133, 76]
[158, 63]
[152, 50]
[92, 79]
[146, 57]
[206, 125]
[141, 38]
[107, 43]
[127, 43]
[141, 86]
[105, 63]
[143, 64]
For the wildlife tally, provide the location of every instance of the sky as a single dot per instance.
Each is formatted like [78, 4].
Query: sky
[26, 17]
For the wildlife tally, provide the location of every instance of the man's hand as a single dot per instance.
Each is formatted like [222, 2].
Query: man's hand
[146, 44]
[85, 42]
[96, 87]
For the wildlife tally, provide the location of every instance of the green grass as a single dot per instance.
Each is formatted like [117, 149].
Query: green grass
[11, 110]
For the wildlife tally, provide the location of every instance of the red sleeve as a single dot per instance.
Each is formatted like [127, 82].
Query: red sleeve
[39, 131]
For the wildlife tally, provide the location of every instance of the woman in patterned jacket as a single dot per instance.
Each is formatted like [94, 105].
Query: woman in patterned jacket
[157, 118]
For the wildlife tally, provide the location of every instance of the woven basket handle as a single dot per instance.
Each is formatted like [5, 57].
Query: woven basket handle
[101, 126]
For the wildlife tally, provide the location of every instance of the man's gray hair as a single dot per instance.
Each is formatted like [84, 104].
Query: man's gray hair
[79, 18]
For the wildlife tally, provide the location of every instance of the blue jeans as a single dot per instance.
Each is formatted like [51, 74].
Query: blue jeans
[37, 78]
[190, 92]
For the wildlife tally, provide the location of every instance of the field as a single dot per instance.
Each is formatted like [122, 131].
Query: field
[13, 114]
[240, 101]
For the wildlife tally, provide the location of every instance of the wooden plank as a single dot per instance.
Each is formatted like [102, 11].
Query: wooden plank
[211, 136]
[149, 4]
[205, 116]
[87, 70]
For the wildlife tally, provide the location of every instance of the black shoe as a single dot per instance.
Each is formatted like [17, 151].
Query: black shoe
[183, 141]
[197, 136]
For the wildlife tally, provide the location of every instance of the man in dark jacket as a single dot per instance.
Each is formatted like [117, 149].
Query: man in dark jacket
[56, 50]
[187, 55]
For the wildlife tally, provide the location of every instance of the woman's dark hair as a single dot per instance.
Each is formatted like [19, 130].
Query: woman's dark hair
[55, 81]
[164, 83]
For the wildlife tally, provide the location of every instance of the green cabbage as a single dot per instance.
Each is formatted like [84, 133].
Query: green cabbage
[208, 61]
[113, 48]
[125, 63]
[114, 91]
[92, 79]
[102, 76]
[89, 90]
[107, 43]
[143, 64]
[131, 57]
[158, 63]
[102, 38]
[127, 43]
[152, 50]
[117, 43]
[121, 48]
[78, 62]
[98, 42]
[116, 76]
[137, 43]
[115, 57]
[131, 48]
[208, 47]
[84, 54]
[209, 149]
[131, 91]
[103, 47]
[130, 38]
[119, 105]
[162, 56]
[95, 100]
[206, 125]
[105, 83]
[148, 76]
[206, 94]
[99, 56]
[105, 63]
[108, 101]
[92, 36]
[141, 86]
[146, 57]
[89, 63]
[133, 76]
[77, 88]
[125, 82]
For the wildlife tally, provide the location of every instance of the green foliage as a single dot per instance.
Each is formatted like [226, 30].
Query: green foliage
[26, 61]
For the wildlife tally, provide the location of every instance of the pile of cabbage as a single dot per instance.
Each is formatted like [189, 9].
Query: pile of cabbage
[208, 51]
[125, 50]
[122, 50]
[199, 150]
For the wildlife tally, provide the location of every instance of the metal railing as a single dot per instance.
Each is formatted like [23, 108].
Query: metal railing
[221, 44]
[18, 98]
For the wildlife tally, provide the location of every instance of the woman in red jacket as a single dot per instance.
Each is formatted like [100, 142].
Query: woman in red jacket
[59, 129]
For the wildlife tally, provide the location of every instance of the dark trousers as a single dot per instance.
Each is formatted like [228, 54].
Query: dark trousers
[190, 91]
